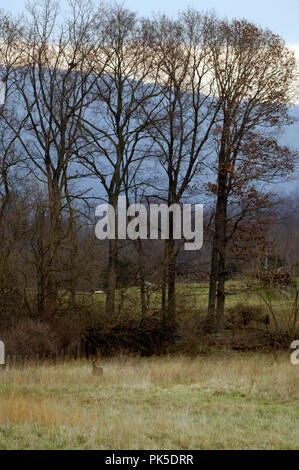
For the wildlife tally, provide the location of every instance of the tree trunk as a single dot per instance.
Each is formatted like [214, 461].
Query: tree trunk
[54, 242]
[164, 285]
[221, 238]
[210, 320]
[171, 303]
[217, 276]
[111, 279]
[141, 277]
[221, 292]
[74, 249]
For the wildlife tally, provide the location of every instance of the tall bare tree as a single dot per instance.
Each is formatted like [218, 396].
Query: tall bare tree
[188, 111]
[11, 199]
[53, 87]
[254, 73]
[115, 129]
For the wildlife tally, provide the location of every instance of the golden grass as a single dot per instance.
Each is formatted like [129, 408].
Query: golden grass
[22, 410]
[221, 401]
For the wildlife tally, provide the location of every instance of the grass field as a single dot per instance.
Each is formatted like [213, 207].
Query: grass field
[220, 401]
[195, 295]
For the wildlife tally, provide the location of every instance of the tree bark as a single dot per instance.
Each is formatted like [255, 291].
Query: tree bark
[210, 320]
[171, 301]
[111, 279]
[217, 276]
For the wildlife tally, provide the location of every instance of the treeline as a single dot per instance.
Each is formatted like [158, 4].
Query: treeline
[104, 104]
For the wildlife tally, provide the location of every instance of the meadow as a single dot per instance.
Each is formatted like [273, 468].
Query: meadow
[214, 398]
[192, 298]
[222, 400]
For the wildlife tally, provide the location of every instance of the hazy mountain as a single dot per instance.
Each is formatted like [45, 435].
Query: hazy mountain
[290, 137]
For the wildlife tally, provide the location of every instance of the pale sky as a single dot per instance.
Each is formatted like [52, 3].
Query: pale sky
[282, 16]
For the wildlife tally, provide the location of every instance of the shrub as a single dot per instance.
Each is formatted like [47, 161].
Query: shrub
[28, 337]
[241, 316]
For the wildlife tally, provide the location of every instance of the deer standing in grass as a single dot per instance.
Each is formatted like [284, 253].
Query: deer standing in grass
[96, 370]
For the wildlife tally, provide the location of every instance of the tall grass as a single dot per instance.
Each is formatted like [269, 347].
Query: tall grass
[220, 401]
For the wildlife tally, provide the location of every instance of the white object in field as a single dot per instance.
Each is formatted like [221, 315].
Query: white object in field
[99, 292]
[2, 93]
[2, 353]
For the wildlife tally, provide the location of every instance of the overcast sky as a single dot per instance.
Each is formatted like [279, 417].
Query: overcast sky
[282, 16]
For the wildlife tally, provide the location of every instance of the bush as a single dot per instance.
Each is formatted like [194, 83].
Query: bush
[28, 337]
[146, 337]
[241, 316]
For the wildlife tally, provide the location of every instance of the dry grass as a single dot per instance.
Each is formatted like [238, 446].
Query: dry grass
[244, 401]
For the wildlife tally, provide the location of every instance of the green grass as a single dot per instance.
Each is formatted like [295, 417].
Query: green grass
[190, 298]
[193, 295]
[230, 401]
[218, 401]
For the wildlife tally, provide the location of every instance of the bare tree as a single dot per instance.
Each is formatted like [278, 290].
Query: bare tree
[11, 197]
[254, 72]
[115, 130]
[188, 111]
[53, 86]
[10, 57]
